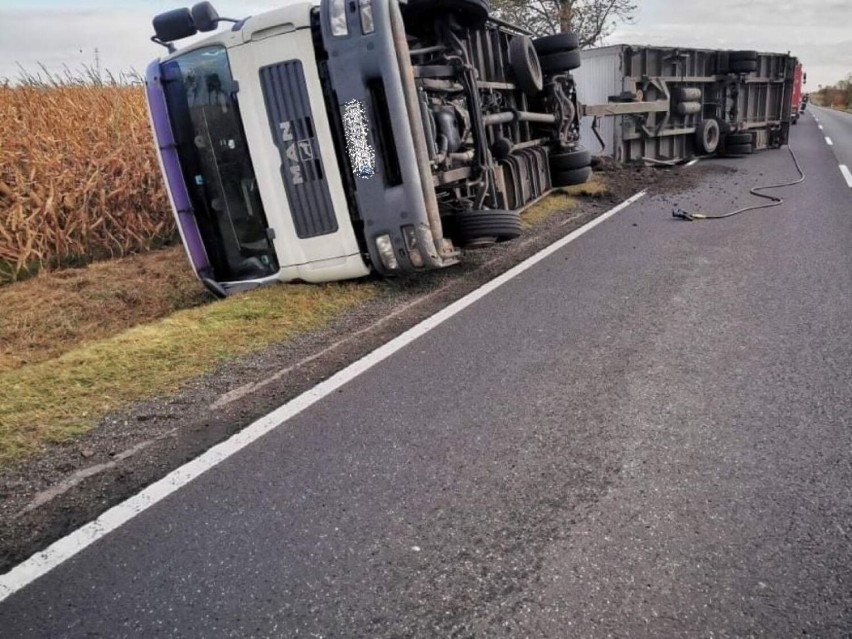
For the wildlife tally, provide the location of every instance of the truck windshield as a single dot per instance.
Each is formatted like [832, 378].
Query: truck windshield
[201, 97]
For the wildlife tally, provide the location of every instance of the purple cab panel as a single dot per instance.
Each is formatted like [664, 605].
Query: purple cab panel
[171, 165]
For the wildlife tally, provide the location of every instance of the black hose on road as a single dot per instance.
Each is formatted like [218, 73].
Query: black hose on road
[774, 200]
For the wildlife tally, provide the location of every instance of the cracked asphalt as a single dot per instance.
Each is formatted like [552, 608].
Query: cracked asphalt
[649, 433]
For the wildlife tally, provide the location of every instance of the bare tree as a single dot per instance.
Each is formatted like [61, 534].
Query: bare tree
[838, 96]
[591, 20]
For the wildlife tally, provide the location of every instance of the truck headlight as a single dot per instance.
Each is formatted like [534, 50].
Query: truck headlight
[337, 18]
[367, 24]
[384, 244]
[414, 253]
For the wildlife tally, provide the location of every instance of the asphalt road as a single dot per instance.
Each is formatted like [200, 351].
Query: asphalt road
[648, 433]
[837, 128]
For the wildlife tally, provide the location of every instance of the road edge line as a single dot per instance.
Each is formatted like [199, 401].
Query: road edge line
[64, 549]
[846, 174]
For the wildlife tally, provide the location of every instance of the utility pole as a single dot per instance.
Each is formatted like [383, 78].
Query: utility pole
[98, 62]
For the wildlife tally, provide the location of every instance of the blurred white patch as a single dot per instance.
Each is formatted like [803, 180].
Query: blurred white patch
[355, 128]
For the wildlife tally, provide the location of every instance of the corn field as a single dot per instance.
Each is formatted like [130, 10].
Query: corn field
[79, 179]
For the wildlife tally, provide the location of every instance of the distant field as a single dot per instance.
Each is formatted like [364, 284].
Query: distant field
[79, 179]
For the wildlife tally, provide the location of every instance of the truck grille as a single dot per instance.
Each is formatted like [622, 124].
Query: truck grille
[291, 122]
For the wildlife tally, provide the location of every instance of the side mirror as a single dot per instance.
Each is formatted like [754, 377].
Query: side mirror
[805, 79]
[205, 17]
[174, 25]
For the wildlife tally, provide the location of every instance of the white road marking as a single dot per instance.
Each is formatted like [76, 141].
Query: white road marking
[828, 141]
[43, 562]
[692, 162]
[819, 126]
[846, 174]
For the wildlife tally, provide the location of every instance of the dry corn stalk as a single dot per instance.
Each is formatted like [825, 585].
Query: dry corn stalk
[79, 180]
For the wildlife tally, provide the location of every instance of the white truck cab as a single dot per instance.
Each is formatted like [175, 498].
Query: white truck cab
[324, 140]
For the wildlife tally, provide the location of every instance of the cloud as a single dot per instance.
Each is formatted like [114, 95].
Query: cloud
[817, 31]
[56, 39]
[61, 37]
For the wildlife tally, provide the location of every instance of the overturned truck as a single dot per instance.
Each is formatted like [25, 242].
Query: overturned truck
[324, 140]
[667, 104]
[328, 139]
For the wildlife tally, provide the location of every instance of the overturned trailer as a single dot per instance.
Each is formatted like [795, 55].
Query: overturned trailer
[667, 104]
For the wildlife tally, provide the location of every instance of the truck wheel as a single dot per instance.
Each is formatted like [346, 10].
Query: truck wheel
[524, 62]
[558, 43]
[572, 177]
[742, 61]
[486, 227]
[707, 136]
[737, 56]
[470, 13]
[560, 62]
[570, 160]
[739, 150]
[744, 66]
[795, 119]
[738, 139]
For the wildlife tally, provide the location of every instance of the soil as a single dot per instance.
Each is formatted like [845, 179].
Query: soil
[68, 485]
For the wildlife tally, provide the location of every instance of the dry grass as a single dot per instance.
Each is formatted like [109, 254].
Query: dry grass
[79, 179]
[82, 342]
[56, 312]
[564, 199]
[57, 399]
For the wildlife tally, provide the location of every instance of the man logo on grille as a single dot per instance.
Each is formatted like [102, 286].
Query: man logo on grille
[294, 166]
[299, 155]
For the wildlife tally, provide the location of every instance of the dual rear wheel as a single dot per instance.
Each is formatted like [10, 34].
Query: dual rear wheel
[738, 145]
[558, 53]
[743, 61]
[532, 60]
[570, 168]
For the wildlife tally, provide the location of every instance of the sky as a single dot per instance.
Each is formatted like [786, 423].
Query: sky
[55, 33]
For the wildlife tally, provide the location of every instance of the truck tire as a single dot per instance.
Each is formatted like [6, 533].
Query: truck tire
[744, 66]
[560, 62]
[572, 177]
[485, 227]
[470, 13]
[707, 136]
[794, 120]
[742, 61]
[738, 150]
[558, 43]
[570, 160]
[738, 56]
[738, 139]
[525, 65]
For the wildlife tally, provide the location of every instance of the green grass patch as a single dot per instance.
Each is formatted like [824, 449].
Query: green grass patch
[61, 398]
